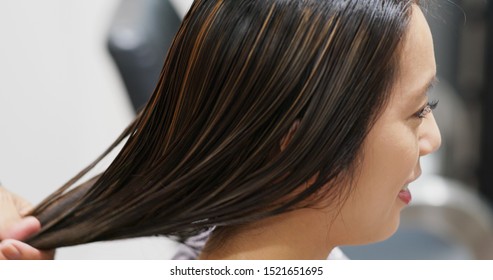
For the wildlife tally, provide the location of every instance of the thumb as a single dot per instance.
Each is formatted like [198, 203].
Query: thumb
[23, 229]
[15, 250]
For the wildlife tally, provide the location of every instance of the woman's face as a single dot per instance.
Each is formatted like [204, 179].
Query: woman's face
[393, 147]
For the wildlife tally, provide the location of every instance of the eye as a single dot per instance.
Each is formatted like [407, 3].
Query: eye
[430, 106]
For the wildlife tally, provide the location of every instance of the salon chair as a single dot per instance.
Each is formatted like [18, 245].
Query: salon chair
[140, 35]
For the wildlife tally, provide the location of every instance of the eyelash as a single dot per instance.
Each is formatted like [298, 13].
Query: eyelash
[427, 109]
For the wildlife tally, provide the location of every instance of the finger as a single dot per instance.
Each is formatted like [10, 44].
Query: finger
[16, 250]
[9, 214]
[23, 229]
[7, 202]
[9, 252]
[23, 206]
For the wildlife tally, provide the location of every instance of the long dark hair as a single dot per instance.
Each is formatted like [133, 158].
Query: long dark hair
[205, 151]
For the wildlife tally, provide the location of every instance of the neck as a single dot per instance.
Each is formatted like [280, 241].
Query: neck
[299, 234]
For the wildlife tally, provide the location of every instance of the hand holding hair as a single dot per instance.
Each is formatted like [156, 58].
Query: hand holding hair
[13, 249]
[14, 227]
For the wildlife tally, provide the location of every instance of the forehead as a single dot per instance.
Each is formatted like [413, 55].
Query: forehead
[417, 63]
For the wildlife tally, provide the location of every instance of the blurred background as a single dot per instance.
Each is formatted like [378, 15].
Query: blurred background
[75, 72]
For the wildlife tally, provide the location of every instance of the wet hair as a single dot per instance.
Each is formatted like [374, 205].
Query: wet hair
[205, 151]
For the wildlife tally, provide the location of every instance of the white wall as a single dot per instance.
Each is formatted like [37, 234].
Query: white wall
[181, 6]
[61, 104]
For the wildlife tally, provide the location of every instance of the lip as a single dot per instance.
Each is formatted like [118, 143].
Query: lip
[405, 196]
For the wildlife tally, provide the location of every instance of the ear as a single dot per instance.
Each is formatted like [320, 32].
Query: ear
[287, 138]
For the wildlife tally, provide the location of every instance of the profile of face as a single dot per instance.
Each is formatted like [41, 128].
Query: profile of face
[390, 160]
[405, 131]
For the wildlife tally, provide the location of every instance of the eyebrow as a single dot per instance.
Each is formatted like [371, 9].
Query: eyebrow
[431, 84]
[421, 93]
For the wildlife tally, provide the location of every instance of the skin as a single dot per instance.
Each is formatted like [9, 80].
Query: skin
[13, 227]
[394, 146]
[390, 160]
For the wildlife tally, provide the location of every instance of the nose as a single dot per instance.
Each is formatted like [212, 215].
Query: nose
[430, 138]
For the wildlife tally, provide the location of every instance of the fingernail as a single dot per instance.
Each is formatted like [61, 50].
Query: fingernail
[10, 252]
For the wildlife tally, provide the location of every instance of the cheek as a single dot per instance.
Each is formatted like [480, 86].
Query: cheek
[390, 158]
[388, 162]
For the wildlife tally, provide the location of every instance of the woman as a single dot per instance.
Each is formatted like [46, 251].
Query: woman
[288, 126]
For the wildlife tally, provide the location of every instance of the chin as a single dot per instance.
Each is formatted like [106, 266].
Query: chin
[380, 233]
[388, 230]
